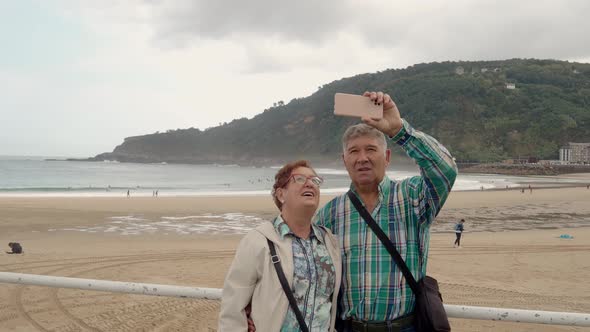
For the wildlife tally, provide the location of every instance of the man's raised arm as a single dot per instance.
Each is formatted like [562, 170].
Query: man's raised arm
[437, 167]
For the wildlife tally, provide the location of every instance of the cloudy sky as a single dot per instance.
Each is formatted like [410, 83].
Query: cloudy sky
[78, 76]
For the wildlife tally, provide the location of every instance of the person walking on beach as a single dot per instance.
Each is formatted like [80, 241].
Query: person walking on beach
[128, 194]
[458, 232]
[254, 297]
[375, 296]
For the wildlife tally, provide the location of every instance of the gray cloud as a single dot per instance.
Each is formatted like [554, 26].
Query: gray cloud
[262, 62]
[183, 22]
[424, 31]
[503, 29]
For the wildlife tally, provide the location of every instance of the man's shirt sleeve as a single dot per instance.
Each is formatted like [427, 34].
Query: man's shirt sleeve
[438, 170]
[322, 216]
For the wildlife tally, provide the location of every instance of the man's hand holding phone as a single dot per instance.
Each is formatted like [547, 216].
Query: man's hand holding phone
[391, 122]
[376, 109]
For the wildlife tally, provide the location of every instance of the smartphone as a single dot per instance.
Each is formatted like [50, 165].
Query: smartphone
[354, 105]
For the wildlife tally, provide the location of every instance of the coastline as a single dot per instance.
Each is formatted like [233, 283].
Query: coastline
[498, 168]
[522, 169]
[548, 205]
[338, 184]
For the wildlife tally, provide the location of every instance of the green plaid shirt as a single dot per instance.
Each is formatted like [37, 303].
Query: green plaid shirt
[374, 288]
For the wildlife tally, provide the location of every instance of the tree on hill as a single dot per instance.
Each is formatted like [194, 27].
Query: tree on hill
[475, 115]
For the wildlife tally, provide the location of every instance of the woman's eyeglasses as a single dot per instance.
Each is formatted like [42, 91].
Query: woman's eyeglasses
[301, 179]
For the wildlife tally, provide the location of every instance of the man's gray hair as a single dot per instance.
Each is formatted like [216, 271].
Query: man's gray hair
[362, 130]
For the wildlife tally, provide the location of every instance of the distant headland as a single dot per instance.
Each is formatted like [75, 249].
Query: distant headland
[482, 111]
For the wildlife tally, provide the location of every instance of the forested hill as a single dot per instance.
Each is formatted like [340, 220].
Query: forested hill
[467, 106]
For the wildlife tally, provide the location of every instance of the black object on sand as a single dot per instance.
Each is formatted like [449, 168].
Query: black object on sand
[15, 247]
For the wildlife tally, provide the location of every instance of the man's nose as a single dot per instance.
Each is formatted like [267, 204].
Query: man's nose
[362, 156]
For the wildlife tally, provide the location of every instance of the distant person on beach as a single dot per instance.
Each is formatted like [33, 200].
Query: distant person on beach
[308, 254]
[531, 189]
[128, 194]
[15, 248]
[458, 232]
[372, 299]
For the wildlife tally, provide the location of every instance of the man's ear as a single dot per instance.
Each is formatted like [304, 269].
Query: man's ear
[388, 156]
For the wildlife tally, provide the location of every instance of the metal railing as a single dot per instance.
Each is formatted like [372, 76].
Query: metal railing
[453, 311]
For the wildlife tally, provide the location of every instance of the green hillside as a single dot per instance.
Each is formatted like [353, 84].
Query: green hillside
[473, 114]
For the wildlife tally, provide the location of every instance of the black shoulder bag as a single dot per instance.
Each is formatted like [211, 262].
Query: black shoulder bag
[429, 312]
[276, 261]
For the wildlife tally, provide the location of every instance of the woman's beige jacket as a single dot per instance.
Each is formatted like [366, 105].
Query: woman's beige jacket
[253, 278]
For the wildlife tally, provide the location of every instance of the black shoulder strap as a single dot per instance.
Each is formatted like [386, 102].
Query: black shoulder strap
[385, 240]
[276, 261]
[323, 231]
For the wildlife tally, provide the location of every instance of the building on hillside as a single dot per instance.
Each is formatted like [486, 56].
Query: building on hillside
[578, 153]
[483, 70]
[551, 162]
[510, 86]
[459, 70]
[521, 160]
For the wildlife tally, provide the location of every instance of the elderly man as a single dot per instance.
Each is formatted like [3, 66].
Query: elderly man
[375, 296]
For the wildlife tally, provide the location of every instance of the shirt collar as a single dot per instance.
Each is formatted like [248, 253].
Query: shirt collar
[383, 187]
[283, 229]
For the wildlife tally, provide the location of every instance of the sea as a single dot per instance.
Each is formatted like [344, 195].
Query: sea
[48, 177]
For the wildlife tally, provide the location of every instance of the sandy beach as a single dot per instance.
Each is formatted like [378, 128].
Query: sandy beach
[511, 257]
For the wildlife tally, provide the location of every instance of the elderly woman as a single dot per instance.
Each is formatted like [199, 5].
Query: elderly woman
[308, 255]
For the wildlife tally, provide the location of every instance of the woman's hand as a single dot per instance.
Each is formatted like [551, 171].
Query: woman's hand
[251, 326]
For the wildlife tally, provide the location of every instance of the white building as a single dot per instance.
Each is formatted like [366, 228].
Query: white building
[510, 86]
[575, 153]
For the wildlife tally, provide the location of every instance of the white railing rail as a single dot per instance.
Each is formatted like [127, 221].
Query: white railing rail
[518, 315]
[453, 311]
[111, 286]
